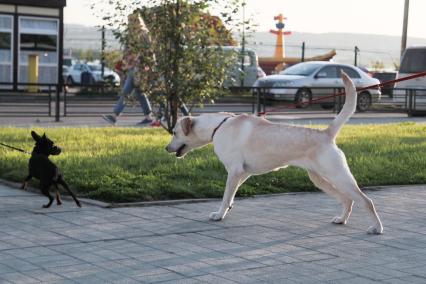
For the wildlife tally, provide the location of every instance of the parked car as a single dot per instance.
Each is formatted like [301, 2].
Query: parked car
[384, 77]
[68, 61]
[76, 71]
[310, 80]
[246, 70]
[65, 72]
[413, 61]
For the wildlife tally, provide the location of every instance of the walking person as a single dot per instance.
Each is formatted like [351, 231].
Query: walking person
[138, 58]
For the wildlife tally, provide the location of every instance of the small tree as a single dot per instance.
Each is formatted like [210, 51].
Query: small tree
[377, 65]
[190, 64]
[112, 57]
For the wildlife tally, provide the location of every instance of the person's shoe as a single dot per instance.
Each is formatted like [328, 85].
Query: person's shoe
[163, 122]
[155, 123]
[145, 121]
[110, 119]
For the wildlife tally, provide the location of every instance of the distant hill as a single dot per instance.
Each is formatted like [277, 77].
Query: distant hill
[381, 48]
[83, 37]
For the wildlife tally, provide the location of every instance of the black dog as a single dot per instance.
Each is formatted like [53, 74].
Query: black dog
[45, 170]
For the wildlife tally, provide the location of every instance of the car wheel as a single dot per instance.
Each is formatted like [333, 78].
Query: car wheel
[364, 102]
[70, 81]
[303, 98]
[110, 80]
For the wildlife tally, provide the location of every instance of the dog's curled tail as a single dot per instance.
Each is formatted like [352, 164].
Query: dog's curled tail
[348, 108]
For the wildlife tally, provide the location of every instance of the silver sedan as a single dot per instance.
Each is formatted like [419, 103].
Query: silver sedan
[312, 80]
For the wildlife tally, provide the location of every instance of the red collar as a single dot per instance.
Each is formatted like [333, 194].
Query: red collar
[220, 124]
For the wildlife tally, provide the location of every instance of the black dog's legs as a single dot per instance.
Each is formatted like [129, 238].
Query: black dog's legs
[45, 191]
[58, 196]
[65, 185]
[25, 183]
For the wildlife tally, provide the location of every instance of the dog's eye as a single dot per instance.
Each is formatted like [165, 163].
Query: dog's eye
[174, 133]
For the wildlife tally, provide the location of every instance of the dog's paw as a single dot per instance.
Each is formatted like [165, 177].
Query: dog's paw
[375, 230]
[78, 204]
[339, 220]
[216, 216]
[58, 203]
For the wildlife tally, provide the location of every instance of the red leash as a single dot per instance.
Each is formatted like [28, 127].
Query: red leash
[417, 75]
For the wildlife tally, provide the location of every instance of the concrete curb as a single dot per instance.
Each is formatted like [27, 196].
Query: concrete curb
[102, 204]
[66, 197]
[161, 202]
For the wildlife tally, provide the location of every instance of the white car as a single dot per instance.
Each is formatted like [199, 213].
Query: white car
[306, 81]
[75, 72]
[412, 61]
[246, 69]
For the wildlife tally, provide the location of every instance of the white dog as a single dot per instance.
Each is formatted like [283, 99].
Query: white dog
[249, 145]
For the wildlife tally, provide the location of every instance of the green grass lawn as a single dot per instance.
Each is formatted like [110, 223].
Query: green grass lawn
[130, 164]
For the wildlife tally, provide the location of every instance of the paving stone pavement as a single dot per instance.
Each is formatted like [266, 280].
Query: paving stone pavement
[274, 239]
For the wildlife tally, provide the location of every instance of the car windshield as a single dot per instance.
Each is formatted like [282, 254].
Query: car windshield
[301, 69]
[95, 67]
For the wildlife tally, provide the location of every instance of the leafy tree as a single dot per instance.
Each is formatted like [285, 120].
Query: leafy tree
[377, 65]
[87, 55]
[111, 58]
[187, 41]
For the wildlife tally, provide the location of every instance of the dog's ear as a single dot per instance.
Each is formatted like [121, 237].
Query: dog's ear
[35, 136]
[186, 124]
[44, 135]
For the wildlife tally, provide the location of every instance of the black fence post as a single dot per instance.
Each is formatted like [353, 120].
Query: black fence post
[57, 104]
[103, 43]
[415, 101]
[65, 100]
[50, 101]
[409, 102]
[258, 101]
[253, 91]
[406, 100]
[339, 100]
[303, 52]
[356, 50]
[334, 101]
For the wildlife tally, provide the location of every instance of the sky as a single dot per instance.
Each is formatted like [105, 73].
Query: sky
[311, 16]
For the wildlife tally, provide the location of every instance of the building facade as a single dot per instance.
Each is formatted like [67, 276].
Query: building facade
[30, 28]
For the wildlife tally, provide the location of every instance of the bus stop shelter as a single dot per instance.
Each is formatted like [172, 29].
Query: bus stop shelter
[31, 29]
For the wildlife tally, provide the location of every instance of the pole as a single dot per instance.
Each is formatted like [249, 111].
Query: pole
[243, 45]
[33, 62]
[103, 52]
[405, 26]
[60, 80]
[303, 52]
[356, 55]
[57, 103]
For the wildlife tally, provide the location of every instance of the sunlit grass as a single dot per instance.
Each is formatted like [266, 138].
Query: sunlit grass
[130, 164]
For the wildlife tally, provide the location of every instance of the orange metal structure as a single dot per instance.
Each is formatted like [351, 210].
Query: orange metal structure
[280, 60]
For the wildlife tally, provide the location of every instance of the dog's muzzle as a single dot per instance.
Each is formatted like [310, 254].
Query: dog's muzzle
[180, 150]
[56, 151]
